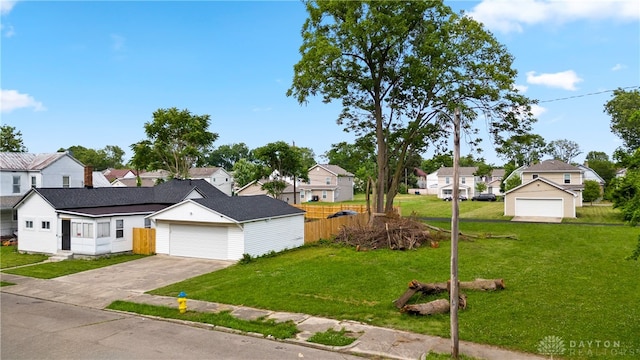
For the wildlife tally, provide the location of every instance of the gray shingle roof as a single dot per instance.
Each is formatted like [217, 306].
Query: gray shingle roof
[464, 171]
[551, 166]
[170, 192]
[335, 169]
[244, 208]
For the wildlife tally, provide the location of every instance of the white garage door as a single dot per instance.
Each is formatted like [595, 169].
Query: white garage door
[208, 242]
[539, 207]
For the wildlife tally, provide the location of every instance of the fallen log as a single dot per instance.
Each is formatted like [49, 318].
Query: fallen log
[483, 284]
[402, 300]
[439, 306]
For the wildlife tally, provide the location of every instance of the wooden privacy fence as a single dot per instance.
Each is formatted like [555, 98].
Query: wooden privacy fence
[144, 241]
[315, 230]
[322, 211]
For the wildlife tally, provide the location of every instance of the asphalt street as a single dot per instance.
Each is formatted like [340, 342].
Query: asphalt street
[41, 329]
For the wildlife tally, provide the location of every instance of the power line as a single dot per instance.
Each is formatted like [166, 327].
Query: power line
[589, 94]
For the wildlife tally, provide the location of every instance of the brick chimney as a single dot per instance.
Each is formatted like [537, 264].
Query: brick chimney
[88, 177]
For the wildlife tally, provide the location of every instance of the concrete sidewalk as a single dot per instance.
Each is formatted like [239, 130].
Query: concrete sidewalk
[129, 281]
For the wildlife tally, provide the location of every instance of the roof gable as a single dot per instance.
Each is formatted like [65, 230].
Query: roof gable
[540, 179]
[334, 169]
[463, 171]
[30, 161]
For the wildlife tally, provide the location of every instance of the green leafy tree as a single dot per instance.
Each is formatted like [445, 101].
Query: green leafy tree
[285, 160]
[11, 140]
[624, 109]
[626, 190]
[523, 149]
[400, 69]
[480, 187]
[244, 172]
[99, 159]
[226, 156]
[357, 158]
[512, 182]
[275, 188]
[599, 162]
[591, 191]
[437, 161]
[563, 150]
[177, 140]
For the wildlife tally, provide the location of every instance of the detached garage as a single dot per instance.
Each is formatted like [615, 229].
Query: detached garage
[225, 229]
[540, 198]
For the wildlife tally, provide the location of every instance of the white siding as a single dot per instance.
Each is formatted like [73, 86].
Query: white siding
[278, 234]
[236, 243]
[199, 241]
[65, 166]
[36, 210]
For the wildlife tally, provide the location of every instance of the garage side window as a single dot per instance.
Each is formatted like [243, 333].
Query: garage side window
[104, 230]
[119, 229]
[567, 178]
[82, 230]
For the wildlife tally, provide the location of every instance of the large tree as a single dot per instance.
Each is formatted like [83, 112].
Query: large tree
[624, 109]
[177, 140]
[357, 158]
[99, 159]
[563, 150]
[522, 149]
[400, 69]
[599, 162]
[284, 161]
[11, 140]
[225, 156]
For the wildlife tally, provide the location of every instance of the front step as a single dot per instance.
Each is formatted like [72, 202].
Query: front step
[61, 255]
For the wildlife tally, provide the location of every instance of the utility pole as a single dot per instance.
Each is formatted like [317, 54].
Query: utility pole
[453, 294]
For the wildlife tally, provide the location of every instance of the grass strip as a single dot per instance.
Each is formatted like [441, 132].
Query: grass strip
[55, 269]
[5, 283]
[333, 337]
[266, 327]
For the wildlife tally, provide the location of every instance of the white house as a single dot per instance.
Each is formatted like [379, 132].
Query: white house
[19, 172]
[216, 176]
[327, 183]
[97, 221]
[214, 229]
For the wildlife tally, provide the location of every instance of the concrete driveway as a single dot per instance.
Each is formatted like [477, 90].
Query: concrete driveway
[98, 288]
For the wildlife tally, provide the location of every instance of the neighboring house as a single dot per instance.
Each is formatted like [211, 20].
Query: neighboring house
[99, 180]
[97, 221]
[427, 183]
[255, 188]
[114, 174]
[128, 182]
[214, 229]
[216, 176]
[327, 183]
[467, 183]
[621, 173]
[550, 188]
[494, 181]
[19, 172]
[432, 183]
[421, 178]
[590, 174]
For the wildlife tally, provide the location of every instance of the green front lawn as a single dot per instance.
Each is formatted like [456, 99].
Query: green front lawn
[570, 281]
[10, 257]
[61, 268]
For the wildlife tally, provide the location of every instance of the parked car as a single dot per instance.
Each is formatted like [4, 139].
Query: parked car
[342, 213]
[449, 198]
[484, 197]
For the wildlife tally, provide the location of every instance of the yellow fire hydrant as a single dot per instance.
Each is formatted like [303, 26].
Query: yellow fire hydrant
[182, 302]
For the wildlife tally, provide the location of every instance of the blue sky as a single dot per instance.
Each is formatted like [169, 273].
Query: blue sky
[92, 73]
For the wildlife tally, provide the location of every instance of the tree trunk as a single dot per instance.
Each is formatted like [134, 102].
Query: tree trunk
[439, 306]
[483, 285]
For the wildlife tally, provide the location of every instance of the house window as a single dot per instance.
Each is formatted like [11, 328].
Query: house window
[65, 181]
[28, 224]
[46, 225]
[33, 181]
[447, 192]
[463, 180]
[302, 195]
[103, 229]
[82, 230]
[446, 180]
[327, 181]
[567, 178]
[324, 194]
[147, 223]
[16, 184]
[534, 176]
[119, 229]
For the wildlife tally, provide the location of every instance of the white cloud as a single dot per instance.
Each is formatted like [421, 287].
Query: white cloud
[617, 67]
[564, 80]
[6, 6]
[510, 16]
[11, 100]
[537, 110]
[521, 88]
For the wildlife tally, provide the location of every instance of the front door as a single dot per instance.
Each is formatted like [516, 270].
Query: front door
[66, 234]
